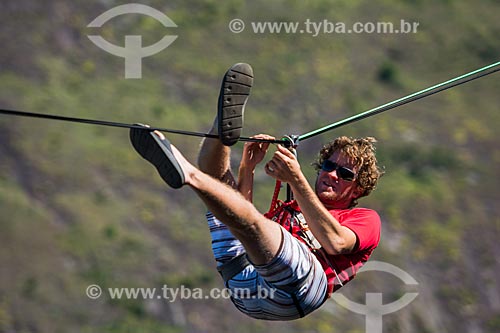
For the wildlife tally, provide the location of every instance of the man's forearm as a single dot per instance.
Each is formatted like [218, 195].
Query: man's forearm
[245, 182]
[328, 231]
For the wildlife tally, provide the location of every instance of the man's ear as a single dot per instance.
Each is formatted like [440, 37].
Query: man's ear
[358, 192]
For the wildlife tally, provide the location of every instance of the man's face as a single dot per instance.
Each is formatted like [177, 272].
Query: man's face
[333, 191]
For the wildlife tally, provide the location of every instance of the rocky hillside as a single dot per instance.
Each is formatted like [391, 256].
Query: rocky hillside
[78, 207]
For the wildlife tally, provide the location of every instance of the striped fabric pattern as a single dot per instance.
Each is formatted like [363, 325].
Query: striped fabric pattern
[224, 245]
[292, 285]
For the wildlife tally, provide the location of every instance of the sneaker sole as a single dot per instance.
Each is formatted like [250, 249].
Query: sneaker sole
[158, 153]
[234, 92]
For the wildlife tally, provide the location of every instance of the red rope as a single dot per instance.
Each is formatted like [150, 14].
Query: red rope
[273, 208]
[277, 206]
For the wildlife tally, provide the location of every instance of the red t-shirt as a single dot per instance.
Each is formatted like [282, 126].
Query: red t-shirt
[341, 268]
[365, 223]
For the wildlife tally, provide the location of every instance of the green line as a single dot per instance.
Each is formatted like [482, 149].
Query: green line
[401, 101]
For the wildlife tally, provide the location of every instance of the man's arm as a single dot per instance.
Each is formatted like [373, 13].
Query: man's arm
[253, 154]
[334, 237]
[245, 181]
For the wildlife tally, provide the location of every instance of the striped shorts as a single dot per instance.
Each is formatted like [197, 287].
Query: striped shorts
[289, 287]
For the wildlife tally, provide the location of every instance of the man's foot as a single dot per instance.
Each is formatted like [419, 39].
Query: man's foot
[234, 92]
[157, 150]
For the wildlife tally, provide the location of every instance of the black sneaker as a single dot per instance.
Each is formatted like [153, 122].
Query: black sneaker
[157, 151]
[234, 92]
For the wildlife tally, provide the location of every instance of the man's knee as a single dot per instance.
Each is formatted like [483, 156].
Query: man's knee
[228, 178]
[262, 240]
[256, 226]
[213, 160]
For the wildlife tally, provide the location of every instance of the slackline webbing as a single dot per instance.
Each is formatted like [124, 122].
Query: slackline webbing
[407, 99]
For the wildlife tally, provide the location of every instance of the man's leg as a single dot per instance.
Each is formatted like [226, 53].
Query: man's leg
[260, 237]
[283, 266]
[214, 158]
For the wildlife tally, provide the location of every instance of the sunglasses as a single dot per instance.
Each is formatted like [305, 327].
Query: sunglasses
[343, 172]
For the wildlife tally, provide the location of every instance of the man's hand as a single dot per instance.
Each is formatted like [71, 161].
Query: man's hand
[284, 166]
[254, 152]
[334, 237]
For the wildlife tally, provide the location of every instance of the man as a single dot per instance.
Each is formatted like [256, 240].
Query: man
[254, 253]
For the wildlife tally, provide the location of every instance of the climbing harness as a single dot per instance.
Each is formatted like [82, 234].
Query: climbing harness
[288, 214]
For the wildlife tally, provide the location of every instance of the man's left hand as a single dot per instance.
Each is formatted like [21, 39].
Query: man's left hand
[283, 166]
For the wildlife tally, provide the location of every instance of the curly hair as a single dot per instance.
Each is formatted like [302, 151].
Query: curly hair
[362, 152]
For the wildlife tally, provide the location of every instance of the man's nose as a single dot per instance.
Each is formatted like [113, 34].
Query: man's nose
[333, 174]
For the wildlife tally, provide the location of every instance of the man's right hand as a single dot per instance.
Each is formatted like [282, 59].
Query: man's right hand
[254, 152]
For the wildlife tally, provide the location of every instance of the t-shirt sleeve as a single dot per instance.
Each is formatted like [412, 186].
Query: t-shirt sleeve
[365, 223]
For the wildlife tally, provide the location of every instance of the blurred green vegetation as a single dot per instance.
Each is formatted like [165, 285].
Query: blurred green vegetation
[79, 207]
